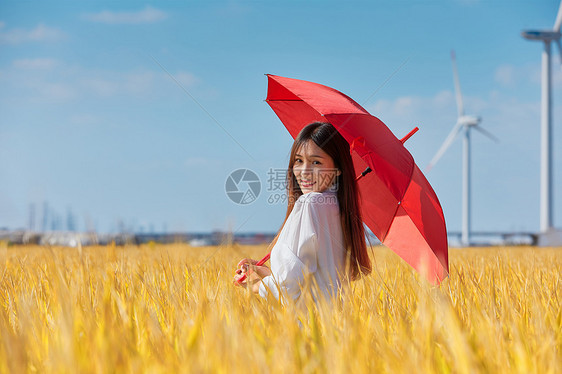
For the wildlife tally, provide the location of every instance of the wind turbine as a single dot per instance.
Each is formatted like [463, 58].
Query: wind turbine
[546, 36]
[464, 124]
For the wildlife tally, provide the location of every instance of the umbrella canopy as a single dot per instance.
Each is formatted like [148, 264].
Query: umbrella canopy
[397, 202]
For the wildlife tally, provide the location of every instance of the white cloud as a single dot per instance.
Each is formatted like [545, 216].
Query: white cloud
[410, 107]
[147, 15]
[50, 80]
[510, 76]
[100, 86]
[195, 162]
[140, 82]
[443, 99]
[40, 33]
[137, 83]
[55, 92]
[233, 9]
[35, 63]
[505, 75]
[84, 119]
[185, 78]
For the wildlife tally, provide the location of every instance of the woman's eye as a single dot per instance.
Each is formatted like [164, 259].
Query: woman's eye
[316, 163]
[298, 161]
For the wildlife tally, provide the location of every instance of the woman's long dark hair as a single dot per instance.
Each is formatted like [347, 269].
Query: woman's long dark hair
[325, 136]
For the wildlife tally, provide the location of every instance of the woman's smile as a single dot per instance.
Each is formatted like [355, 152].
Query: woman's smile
[306, 183]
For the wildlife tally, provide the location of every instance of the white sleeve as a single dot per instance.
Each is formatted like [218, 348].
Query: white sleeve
[297, 258]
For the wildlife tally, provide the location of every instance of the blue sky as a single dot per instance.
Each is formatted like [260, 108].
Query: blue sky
[92, 123]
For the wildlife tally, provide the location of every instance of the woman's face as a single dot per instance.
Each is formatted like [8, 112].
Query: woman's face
[314, 169]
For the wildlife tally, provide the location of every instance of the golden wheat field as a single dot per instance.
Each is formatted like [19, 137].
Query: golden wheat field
[172, 308]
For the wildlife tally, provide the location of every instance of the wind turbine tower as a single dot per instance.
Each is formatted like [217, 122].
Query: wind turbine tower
[547, 37]
[465, 123]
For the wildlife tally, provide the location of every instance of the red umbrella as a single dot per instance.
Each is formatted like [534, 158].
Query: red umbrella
[397, 202]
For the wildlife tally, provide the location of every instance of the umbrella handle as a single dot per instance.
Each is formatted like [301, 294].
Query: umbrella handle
[259, 263]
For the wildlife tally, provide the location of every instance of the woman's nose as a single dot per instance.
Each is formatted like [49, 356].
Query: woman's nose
[306, 170]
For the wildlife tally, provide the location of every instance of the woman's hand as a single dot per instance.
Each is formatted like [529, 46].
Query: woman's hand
[246, 261]
[254, 274]
[242, 270]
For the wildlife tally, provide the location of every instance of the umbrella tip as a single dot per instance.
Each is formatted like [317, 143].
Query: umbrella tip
[409, 135]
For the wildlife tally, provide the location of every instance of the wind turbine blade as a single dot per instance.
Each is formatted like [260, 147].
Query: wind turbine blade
[446, 144]
[487, 133]
[460, 106]
[558, 19]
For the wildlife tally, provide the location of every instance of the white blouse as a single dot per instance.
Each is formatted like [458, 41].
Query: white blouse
[310, 244]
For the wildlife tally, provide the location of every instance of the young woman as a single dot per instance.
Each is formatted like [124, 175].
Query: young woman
[322, 237]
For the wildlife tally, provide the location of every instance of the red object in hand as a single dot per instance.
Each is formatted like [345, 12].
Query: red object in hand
[259, 263]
